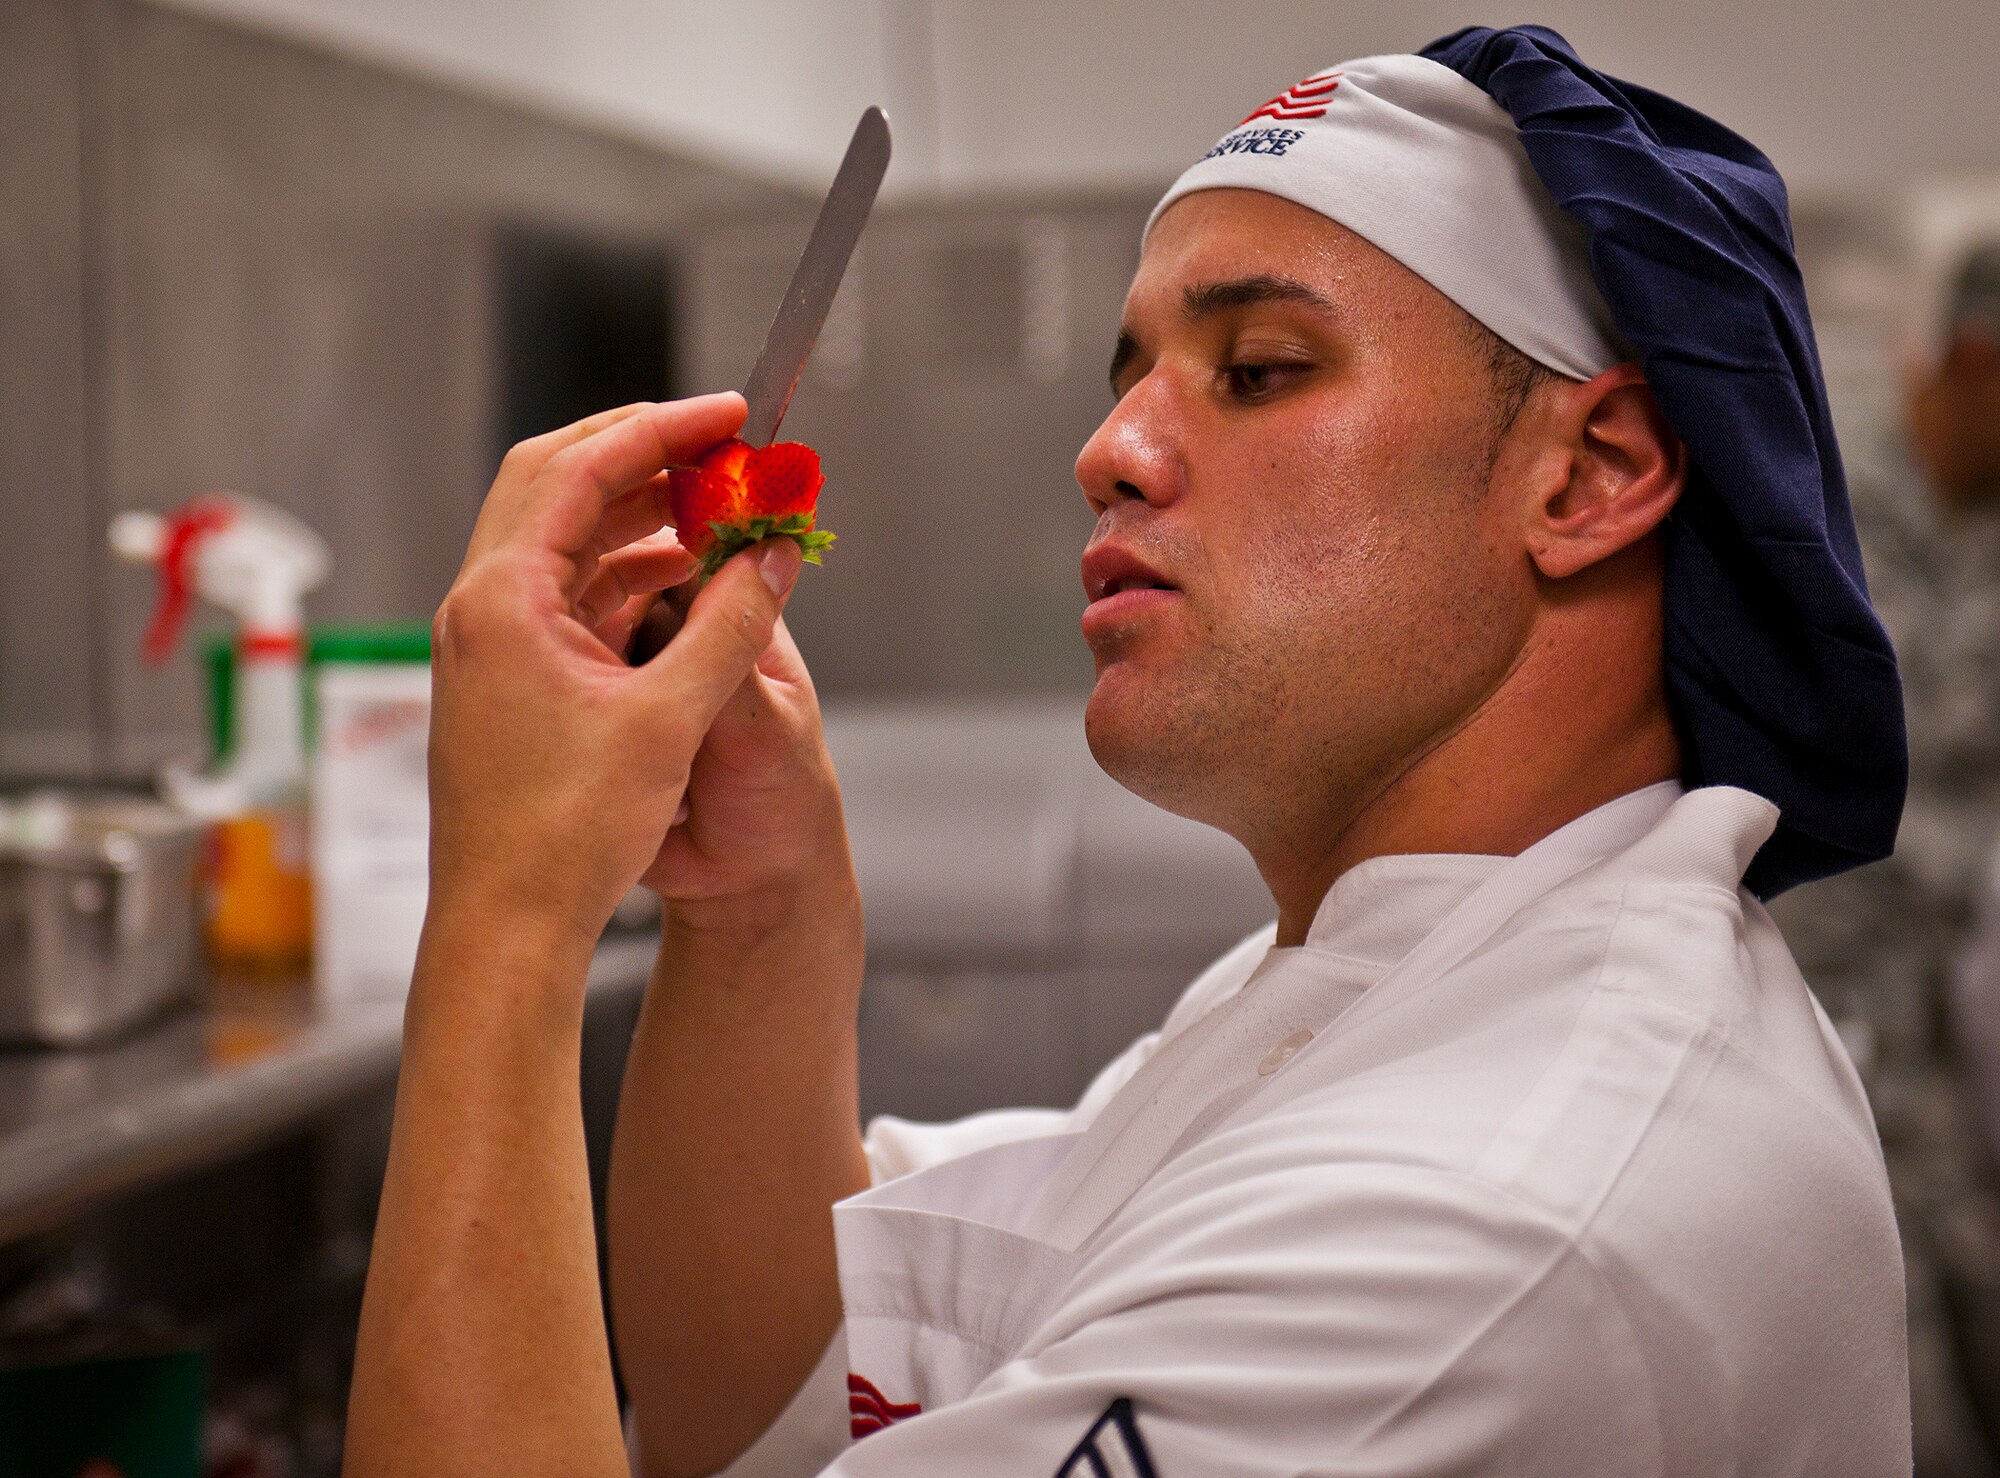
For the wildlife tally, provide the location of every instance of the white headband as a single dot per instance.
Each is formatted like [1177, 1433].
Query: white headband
[1419, 161]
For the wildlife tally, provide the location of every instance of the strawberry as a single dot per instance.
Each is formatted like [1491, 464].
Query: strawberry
[781, 479]
[709, 492]
[739, 494]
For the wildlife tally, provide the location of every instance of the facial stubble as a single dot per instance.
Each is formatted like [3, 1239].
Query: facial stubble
[1258, 727]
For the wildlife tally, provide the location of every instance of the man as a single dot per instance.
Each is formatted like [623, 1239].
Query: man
[1914, 943]
[1953, 404]
[1514, 1145]
[1954, 418]
[1886, 946]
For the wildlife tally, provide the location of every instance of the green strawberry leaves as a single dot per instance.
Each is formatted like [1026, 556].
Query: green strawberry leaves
[730, 538]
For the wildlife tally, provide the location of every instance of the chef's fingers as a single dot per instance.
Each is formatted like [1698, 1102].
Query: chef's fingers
[635, 515]
[528, 456]
[511, 485]
[616, 629]
[659, 623]
[642, 514]
[768, 701]
[727, 628]
[781, 660]
[570, 492]
[642, 568]
[550, 493]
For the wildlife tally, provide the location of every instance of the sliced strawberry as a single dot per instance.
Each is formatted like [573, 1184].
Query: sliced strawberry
[708, 493]
[780, 479]
[738, 495]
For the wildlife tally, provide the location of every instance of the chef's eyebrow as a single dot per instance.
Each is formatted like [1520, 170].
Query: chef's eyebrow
[1205, 299]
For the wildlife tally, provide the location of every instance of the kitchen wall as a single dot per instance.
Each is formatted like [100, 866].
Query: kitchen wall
[1117, 94]
[231, 261]
[48, 588]
[238, 261]
[769, 86]
[961, 371]
[1840, 93]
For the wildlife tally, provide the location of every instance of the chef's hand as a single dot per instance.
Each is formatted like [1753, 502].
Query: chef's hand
[761, 826]
[556, 767]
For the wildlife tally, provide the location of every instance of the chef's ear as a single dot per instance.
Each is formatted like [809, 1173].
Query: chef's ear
[1609, 469]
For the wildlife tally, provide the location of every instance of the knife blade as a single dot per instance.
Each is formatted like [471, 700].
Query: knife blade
[803, 310]
[801, 314]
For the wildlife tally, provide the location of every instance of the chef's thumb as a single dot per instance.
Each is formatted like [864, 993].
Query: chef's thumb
[728, 626]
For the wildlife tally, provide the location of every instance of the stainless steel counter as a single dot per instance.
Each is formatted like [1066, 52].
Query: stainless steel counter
[259, 1057]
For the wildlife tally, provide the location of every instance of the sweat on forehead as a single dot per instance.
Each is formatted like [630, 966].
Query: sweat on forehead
[1415, 159]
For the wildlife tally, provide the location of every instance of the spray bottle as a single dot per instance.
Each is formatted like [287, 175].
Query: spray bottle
[257, 563]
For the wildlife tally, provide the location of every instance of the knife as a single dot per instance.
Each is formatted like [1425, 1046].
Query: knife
[801, 314]
[803, 310]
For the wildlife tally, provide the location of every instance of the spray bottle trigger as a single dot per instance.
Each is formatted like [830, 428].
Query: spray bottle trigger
[180, 535]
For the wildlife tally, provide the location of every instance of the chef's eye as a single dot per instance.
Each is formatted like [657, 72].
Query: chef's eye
[1255, 380]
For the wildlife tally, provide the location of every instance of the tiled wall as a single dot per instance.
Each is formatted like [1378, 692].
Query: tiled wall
[227, 261]
[47, 508]
[962, 370]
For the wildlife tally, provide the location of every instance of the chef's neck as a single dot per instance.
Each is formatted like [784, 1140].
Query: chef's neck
[1580, 720]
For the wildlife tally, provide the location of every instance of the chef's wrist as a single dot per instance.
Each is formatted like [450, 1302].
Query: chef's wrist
[469, 930]
[495, 1013]
[812, 918]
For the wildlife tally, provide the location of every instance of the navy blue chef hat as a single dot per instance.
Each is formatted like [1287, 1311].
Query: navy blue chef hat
[1780, 676]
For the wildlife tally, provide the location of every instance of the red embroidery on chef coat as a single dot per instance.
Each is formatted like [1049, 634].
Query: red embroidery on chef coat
[870, 1411]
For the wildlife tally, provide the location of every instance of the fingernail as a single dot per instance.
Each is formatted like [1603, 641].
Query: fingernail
[779, 565]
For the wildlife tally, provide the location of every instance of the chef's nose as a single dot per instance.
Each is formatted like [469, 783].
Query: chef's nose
[1136, 451]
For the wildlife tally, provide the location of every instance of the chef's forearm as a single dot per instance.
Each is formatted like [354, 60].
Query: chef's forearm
[737, 1130]
[482, 1346]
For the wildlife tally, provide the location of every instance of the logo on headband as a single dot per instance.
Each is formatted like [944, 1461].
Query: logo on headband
[1307, 99]
[1273, 141]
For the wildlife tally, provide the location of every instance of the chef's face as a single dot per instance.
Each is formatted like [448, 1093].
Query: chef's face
[1302, 447]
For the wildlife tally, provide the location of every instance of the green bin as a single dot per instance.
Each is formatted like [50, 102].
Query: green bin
[135, 1416]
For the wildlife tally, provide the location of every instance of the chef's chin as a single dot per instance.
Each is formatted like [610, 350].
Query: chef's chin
[1143, 738]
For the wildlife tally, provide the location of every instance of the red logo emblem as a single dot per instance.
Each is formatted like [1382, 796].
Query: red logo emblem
[1307, 100]
[869, 1410]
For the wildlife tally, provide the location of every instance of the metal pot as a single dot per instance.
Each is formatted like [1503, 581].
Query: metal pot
[99, 906]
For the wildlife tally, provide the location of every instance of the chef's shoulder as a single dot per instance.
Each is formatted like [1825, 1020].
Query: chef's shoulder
[1608, 1153]
[896, 1146]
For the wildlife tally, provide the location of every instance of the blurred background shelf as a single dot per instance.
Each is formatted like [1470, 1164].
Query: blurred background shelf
[254, 1062]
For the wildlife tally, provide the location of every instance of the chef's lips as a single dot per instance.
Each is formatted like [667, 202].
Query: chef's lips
[1108, 568]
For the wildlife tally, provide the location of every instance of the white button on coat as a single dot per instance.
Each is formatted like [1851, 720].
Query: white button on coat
[1283, 1053]
[1562, 1171]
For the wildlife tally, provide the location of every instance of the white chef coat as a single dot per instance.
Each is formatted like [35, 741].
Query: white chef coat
[1542, 1166]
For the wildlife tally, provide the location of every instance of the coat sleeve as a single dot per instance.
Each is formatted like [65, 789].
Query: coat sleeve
[815, 1424]
[813, 1428]
[900, 1147]
[897, 1147]
[1359, 1319]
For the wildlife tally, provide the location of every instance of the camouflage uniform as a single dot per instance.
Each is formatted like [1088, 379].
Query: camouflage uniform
[1879, 944]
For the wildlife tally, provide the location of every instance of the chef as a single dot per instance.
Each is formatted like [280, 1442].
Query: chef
[1472, 547]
